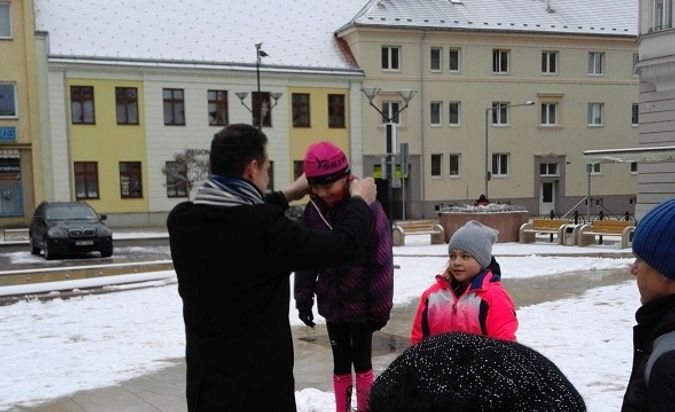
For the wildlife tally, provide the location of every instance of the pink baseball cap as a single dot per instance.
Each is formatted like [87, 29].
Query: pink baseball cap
[325, 163]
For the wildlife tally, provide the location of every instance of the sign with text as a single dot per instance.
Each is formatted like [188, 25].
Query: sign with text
[7, 133]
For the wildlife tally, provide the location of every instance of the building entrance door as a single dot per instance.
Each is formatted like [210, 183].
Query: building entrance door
[546, 197]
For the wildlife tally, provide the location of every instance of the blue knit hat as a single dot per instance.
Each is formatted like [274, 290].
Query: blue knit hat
[475, 239]
[654, 239]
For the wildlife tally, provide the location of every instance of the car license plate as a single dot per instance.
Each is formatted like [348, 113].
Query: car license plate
[84, 242]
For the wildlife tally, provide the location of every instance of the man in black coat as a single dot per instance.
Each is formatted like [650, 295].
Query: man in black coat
[651, 386]
[233, 250]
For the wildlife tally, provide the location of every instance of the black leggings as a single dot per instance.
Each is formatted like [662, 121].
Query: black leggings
[351, 343]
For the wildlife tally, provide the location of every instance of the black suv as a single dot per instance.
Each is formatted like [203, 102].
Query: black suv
[60, 228]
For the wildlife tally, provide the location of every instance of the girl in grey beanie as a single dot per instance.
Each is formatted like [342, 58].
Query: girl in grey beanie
[468, 296]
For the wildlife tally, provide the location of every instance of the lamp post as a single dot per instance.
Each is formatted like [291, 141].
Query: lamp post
[263, 109]
[488, 174]
[406, 95]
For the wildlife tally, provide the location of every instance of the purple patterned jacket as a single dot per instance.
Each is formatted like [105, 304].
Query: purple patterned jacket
[356, 292]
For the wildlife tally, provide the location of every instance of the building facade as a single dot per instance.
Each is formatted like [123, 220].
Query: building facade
[656, 67]
[20, 166]
[472, 129]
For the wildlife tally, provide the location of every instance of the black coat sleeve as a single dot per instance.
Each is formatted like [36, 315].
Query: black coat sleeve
[299, 248]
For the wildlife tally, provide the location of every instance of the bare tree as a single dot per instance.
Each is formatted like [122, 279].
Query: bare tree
[188, 168]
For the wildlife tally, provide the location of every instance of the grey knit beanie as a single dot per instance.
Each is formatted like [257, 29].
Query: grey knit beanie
[475, 239]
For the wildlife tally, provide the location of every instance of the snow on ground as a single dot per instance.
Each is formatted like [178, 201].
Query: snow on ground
[57, 347]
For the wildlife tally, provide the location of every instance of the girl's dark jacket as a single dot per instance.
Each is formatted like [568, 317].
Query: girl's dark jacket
[355, 292]
[233, 266]
[654, 319]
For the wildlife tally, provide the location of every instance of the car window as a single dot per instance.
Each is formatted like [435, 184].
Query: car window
[71, 212]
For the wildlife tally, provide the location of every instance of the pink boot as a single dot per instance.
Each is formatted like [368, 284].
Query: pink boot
[364, 381]
[342, 385]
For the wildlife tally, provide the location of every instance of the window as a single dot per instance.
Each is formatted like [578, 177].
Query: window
[500, 61]
[548, 169]
[5, 21]
[176, 179]
[595, 169]
[549, 62]
[454, 60]
[261, 104]
[131, 184]
[390, 110]
[300, 106]
[82, 104]
[595, 63]
[391, 57]
[298, 168]
[7, 100]
[126, 105]
[500, 113]
[595, 114]
[549, 114]
[435, 113]
[662, 18]
[453, 161]
[336, 111]
[633, 168]
[436, 59]
[217, 101]
[174, 107]
[86, 180]
[436, 165]
[500, 164]
[635, 114]
[454, 113]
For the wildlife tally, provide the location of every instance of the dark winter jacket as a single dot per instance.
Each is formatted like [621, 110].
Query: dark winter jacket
[233, 266]
[465, 372]
[654, 319]
[352, 292]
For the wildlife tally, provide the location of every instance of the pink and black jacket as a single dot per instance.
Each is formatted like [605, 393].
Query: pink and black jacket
[484, 308]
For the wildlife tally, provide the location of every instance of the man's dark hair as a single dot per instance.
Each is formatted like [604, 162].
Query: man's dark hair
[234, 147]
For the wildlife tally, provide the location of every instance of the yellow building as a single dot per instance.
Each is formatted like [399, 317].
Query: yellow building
[20, 185]
[107, 144]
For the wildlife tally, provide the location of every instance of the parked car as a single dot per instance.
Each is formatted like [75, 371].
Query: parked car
[60, 228]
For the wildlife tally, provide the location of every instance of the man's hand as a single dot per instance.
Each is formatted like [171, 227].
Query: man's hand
[306, 317]
[364, 188]
[298, 189]
[376, 325]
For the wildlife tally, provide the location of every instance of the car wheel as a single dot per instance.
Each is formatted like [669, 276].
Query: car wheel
[49, 255]
[107, 251]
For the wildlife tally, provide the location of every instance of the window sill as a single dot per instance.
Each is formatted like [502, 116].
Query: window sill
[455, 71]
[634, 126]
[501, 73]
[437, 177]
[9, 117]
[493, 176]
[596, 75]
[455, 125]
[436, 126]
[549, 74]
[500, 125]
[549, 127]
[391, 70]
[595, 125]
[455, 177]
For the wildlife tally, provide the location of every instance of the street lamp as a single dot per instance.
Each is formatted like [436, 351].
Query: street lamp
[488, 174]
[406, 95]
[263, 107]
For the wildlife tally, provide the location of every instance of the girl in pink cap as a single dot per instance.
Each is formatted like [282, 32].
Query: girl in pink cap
[355, 299]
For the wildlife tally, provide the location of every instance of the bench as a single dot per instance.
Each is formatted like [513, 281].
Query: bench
[528, 230]
[431, 228]
[587, 233]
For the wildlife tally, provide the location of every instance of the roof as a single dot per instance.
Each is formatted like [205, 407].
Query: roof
[295, 34]
[602, 17]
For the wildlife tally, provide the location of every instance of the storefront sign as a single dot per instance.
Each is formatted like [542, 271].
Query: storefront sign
[7, 133]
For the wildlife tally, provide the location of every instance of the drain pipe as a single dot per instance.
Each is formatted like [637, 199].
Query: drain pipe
[422, 128]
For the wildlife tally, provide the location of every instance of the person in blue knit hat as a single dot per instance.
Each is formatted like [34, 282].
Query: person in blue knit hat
[651, 386]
